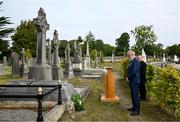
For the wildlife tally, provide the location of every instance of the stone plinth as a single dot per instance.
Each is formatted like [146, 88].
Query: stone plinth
[109, 86]
[40, 72]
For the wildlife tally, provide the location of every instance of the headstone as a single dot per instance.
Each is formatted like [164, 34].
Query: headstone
[40, 70]
[77, 61]
[1, 69]
[87, 60]
[113, 57]
[175, 58]
[143, 55]
[68, 64]
[21, 69]
[154, 55]
[49, 52]
[164, 58]
[97, 62]
[15, 64]
[5, 63]
[56, 70]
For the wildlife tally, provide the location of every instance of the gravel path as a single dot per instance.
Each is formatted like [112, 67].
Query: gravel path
[17, 115]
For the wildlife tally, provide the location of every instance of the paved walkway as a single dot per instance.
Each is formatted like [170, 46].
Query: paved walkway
[17, 115]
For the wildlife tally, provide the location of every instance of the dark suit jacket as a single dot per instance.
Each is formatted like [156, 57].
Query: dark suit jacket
[143, 71]
[134, 72]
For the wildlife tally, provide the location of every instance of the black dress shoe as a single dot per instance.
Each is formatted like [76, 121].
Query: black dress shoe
[130, 109]
[135, 113]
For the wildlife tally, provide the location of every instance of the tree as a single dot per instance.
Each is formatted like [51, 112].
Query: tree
[25, 37]
[91, 40]
[4, 33]
[122, 43]
[108, 49]
[173, 50]
[99, 45]
[144, 35]
[93, 54]
[62, 46]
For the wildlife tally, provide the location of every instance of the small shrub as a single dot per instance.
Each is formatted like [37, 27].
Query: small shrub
[78, 103]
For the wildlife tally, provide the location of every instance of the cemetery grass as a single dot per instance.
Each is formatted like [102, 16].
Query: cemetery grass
[95, 110]
[7, 76]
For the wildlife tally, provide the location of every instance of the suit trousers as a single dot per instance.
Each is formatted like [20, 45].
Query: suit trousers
[134, 89]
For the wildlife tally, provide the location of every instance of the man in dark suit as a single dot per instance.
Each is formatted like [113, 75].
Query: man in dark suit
[134, 81]
[142, 87]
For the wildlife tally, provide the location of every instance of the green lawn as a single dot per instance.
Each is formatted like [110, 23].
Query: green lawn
[7, 76]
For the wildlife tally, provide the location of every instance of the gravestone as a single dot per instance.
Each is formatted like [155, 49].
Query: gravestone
[77, 61]
[175, 58]
[21, 69]
[5, 63]
[1, 69]
[68, 64]
[49, 52]
[143, 55]
[15, 64]
[40, 70]
[97, 62]
[87, 59]
[164, 58]
[113, 57]
[56, 70]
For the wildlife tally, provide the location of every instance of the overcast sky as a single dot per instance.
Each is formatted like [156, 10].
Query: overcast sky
[106, 19]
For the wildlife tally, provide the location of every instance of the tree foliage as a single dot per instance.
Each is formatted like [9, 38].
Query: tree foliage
[122, 43]
[173, 50]
[25, 37]
[4, 33]
[144, 35]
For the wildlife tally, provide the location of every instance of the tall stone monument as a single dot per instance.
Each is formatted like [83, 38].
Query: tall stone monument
[49, 52]
[1, 69]
[175, 58]
[87, 60]
[143, 55]
[68, 64]
[164, 58]
[21, 69]
[15, 64]
[5, 63]
[40, 70]
[97, 62]
[56, 70]
[113, 57]
[77, 61]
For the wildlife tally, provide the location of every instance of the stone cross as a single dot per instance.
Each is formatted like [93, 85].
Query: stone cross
[49, 51]
[55, 44]
[42, 26]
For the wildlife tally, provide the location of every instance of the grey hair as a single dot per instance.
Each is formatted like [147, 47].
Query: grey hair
[131, 51]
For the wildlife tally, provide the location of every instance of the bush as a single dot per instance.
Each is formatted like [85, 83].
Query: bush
[163, 85]
[124, 64]
[76, 98]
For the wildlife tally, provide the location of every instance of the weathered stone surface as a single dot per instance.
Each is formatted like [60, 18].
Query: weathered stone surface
[5, 63]
[56, 69]
[41, 70]
[1, 69]
[15, 64]
[68, 73]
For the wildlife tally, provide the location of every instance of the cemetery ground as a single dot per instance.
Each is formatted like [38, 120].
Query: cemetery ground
[95, 110]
